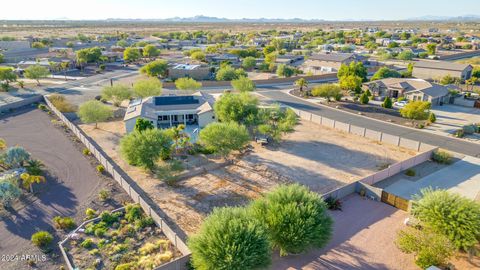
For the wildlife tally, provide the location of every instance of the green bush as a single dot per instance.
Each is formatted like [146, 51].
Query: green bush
[90, 213]
[429, 247]
[86, 152]
[126, 266]
[450, 214]
[42, 107]
[442, 157]
[109, 218]
[459, 133]
[100, 168]
[100, 232]
[133, 212]
[387, 103]
[230, 238]
[103, 195]
[87, 243]
[469, 129]
[432, 118]
[296, 218]
[364, 99]
[42, 239]
[64, 223]
[410, 172]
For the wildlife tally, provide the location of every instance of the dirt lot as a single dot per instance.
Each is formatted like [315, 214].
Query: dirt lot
[318, 157]
[356, 243]
[325, 159]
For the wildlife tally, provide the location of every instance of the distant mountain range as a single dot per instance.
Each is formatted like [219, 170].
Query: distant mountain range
[207, 19]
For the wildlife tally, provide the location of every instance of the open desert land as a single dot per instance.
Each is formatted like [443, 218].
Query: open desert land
[333, 159]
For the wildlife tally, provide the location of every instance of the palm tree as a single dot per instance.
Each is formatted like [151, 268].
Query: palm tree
[301, 83]
[28, 180]
[34, 167]
[65, 65]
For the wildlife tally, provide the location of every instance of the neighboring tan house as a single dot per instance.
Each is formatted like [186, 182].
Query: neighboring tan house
[434, 70]
[329, 62]
[411, 89]
[194, 111]
[197, 72]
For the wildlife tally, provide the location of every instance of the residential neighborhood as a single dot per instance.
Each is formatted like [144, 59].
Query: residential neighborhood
[259, 135]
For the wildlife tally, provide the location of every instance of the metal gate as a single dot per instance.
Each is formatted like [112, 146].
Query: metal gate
[395, 201]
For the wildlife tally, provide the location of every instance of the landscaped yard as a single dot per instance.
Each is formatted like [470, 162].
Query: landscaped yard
[126, 239]
[307, 155]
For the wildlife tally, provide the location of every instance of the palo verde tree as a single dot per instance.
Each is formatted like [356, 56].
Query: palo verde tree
[147, 87]
[239, 108]
[117, 93]
[94, 111]
[145, 148]
[275, 121]
[243, 84]
[296, 218]
[155, 68]
[230, 239]
[36, 72]
[131, 54]
[416, 110]
[187, 84]
[223, 138]
[301, 83]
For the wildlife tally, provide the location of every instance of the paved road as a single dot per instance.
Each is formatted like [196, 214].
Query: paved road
[71, 182]
[452, 144]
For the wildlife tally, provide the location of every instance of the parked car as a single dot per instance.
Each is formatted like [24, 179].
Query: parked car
[400, 104]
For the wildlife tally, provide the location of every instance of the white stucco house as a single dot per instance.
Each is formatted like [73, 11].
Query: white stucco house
[194, 111]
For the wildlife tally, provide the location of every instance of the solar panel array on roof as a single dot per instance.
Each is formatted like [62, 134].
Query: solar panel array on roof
[175, 100]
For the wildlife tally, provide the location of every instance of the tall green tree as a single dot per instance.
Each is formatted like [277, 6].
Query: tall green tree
[7, 75]
[385, 72]
[431, 48]
[275, 121]
[142, 124]
[302, 83]
[249, 62]
[94, 111]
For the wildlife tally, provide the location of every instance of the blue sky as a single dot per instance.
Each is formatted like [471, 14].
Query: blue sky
[307, 9]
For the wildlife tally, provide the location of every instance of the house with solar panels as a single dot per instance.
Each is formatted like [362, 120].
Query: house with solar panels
[194, 111]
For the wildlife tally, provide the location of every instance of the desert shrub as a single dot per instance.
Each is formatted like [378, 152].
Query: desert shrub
[429, 247]
[15, 156]
[87, 243]
[410, 172]
[9, 190]
[230, 238]
[64, 223]
[456, 217]
[126, 266]
[61, 103]
[333, 203]
[143, 222]
[94, 252]
[421, 126]
[459, 133]
[42, 107]
[296, 218]
[100, 232]
[469, 129]
[90, 213]
[103, 195]
[109, 218]
[41, 239]
[133, 212]
[442, 157]
[86, 152]
[100, 168]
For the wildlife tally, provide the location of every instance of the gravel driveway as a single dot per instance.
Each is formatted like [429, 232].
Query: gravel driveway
[71, 182]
